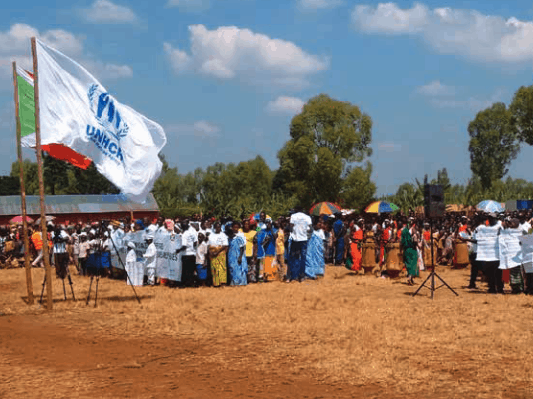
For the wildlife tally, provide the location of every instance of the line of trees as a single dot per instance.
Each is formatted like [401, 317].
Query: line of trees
[325, 159]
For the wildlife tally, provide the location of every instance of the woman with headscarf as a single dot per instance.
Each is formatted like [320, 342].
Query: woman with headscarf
[314, 261]
[356, 241]
[410, 255]
[238, 268]
[218, 248]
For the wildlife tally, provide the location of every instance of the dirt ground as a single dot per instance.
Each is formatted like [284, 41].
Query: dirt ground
[344, 336]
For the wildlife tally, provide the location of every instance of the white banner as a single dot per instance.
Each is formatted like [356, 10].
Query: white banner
[168, 262]
[78, 112]
[527, 248]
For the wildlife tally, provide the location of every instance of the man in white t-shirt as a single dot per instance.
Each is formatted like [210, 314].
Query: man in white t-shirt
[301, 228]
[488, 252]
[189, 242]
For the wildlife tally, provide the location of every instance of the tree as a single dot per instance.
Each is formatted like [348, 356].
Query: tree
[60, 177]
[493, 144]
[358, 188]
[327, 137]
[521, 109]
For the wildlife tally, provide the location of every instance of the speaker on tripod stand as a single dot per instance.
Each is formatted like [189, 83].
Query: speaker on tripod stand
[434, 208]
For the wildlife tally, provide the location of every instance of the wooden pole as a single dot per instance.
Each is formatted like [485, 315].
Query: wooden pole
[46, 252]
[27, 264]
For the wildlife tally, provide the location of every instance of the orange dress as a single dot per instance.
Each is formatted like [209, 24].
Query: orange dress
[384, 238]
[355, 251]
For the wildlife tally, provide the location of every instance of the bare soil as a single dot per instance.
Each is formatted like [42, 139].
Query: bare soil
[344, 336]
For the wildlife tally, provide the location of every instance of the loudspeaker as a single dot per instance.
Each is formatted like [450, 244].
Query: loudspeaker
[434, 206]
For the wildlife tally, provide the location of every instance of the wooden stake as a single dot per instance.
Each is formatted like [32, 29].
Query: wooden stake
[46, 252]
[27, 264]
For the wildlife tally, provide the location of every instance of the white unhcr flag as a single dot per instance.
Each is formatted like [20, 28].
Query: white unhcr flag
[77, 111]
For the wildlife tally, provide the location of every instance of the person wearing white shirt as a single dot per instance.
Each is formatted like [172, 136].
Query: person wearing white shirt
[488, 253]
[511, 254]
[300, 226]
[134, 269]
[150, 258]
[189, 243]
[60, 239]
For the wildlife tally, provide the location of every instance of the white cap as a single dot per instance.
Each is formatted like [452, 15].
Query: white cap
[131, 245]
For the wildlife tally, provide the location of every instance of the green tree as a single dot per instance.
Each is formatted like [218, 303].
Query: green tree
[327, 137]
[493, 144]
[358, 188]
[521, 109]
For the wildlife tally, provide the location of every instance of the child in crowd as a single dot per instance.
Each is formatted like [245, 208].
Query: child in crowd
[201, 259]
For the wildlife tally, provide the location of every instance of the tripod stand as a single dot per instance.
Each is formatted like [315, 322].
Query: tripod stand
[433, 274]
[98, 279]
[63, 279]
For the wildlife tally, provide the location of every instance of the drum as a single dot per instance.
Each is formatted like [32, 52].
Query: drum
[9, 246]
[394, 260]
[427, 254]
[369, 255]
[270, 271]
[461, 254]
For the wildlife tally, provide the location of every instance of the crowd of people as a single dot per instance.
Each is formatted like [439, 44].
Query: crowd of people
[295, 247]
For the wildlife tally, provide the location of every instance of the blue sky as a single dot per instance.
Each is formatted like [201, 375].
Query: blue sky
[225, 77]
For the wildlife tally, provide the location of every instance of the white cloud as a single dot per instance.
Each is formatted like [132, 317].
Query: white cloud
[108, 71]
[436, 88]
[106, 12]
[15, 46]
[178, 59]
[189, 5]
[469, 33]
[16, 41]
[233, 53]
[285, 105]
[318, 4]
[205, 129]
[388, 18]
[201, 129]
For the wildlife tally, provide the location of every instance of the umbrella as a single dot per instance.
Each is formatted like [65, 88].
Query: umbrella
[324, 208]
[48, 219]
[381, 207]
[256, 217]
[490, 206]
[18, 220]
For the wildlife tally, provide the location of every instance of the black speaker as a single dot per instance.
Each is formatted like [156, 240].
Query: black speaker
[434, 206]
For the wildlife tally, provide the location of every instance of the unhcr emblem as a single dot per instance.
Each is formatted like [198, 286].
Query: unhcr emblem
[111, 127]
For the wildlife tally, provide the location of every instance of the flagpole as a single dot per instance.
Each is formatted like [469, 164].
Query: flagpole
[46, 256]
[27, 265]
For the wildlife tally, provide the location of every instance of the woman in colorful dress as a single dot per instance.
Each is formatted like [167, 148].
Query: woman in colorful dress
[280, 251]
[314, 261]
[249, 235]
[356, 243]
[410, 256]
[218, 248]
[238, 268]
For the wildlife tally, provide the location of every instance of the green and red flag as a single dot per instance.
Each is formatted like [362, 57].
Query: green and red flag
[27, 124]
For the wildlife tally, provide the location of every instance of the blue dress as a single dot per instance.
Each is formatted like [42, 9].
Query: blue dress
[314, 261]
[337, 229]
[237, 271]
